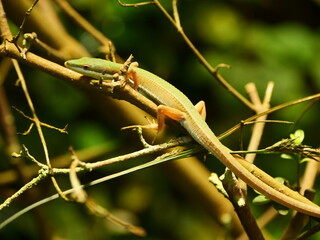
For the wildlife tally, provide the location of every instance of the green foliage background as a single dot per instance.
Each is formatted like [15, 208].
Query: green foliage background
[262, 41]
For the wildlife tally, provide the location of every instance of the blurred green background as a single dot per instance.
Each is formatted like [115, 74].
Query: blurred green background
[262, 41]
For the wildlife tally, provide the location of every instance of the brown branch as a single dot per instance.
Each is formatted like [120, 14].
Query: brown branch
[309, 176]
[237, 194]
[108, 46]
[258, 127]
[247, 219]
[271, 110]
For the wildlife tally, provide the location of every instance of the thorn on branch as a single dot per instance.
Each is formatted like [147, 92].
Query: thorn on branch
[221, 65]
[24, 153]
[25, 133]
[78, 194]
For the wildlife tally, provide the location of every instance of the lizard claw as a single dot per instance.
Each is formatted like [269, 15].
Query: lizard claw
[152, 126]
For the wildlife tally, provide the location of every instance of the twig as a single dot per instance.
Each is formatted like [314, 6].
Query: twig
[309, 176]
[27, 14]
[27, 186]
[237, 195]
[31, 39]
[258, 127]
[78, 194]
[271, 110]
[310, 105]
[262, 221]
[100, 211]
[31, 170]
[61, 130]
[151, 149]
[136, 4]
[307, 234]
[108, 46]
[246, 217]
[36, 121]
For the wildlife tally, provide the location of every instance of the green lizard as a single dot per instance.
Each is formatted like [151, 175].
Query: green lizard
[175, 105]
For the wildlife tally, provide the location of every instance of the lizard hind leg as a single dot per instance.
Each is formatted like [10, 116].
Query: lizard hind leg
[162, 113]
[201, 108]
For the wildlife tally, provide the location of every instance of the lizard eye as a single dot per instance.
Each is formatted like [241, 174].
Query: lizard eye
[85, 67]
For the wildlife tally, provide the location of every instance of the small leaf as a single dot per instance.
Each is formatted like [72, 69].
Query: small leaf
[280, 179]
[259, 193]
[260, 200]
[286, 156]
[298, 136]
[303, 160]
[282, 210]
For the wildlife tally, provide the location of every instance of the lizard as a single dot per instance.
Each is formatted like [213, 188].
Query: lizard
[177, 106]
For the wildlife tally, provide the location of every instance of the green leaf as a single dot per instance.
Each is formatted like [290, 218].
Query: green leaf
[286, 156]
[282, 210]
[261, 200]
[280, 180]
[298, 136]
[303, 160]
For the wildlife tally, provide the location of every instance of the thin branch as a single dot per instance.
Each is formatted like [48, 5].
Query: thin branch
[125, 93]
[176, 14]
[100, 211]
[61, 130]
[31, 39]
[258, 127]
[136, 4]
[248, 221]
[36, 121]
[151, 149]
[80, 196]
[27, 14]
[27, 186]
[108, 46]
[31, 170]
[308, 233]
[271, 110]
[237, 193]
[309, 176]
